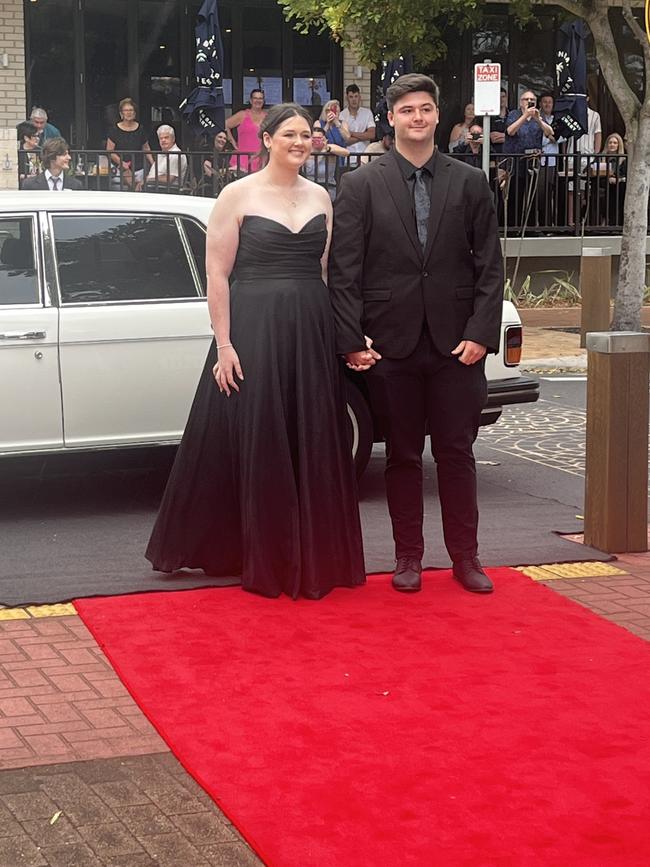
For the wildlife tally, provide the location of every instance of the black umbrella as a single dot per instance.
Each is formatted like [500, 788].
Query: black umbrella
[204, 108]
[570, 108]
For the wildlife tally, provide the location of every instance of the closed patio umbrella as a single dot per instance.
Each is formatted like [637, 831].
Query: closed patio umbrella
[204, 108]
[570, 109]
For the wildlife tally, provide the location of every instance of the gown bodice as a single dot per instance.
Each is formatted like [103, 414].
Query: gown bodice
[269, 250]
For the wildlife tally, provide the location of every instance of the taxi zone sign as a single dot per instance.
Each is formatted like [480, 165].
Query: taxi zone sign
[487, 87]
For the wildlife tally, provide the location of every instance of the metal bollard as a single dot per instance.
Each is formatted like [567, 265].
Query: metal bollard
[616, 471]
[595, 289]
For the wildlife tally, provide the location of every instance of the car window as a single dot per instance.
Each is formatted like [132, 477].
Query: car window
[121, 258]
[18, 276]
[196, 237]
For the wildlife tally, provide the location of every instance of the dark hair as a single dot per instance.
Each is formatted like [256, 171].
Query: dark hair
[477, 121]
[255, 90]
[412, 82]
[352, 88]
[26, 128]
[545, 93]
[503, 90]
[274, 119]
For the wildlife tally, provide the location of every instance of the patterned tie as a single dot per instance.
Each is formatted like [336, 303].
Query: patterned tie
[55, 181]
[422, 206]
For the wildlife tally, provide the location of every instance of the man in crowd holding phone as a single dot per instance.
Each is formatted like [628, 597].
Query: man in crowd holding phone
[525, 130]
[470, 151]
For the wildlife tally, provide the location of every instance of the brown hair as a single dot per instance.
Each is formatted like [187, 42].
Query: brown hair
[127, 101]
[412, 82]
[53, 148]
[274, 119]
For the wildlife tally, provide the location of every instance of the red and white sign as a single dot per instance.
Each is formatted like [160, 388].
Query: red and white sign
[487, 88]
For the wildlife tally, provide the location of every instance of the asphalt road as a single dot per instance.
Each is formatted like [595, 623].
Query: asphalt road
[79, 526]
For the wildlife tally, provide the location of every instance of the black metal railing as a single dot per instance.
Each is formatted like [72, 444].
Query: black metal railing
[558, 193]
[534, 194]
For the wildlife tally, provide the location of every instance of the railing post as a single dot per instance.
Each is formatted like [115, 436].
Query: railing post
[595, 290]
[616, 469]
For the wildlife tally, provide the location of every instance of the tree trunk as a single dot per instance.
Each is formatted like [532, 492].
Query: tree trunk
[632, 265]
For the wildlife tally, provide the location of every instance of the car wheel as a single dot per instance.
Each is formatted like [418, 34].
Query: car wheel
[360, 427]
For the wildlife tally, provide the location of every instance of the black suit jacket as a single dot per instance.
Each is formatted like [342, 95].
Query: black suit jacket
[384, 285]
[40, 183]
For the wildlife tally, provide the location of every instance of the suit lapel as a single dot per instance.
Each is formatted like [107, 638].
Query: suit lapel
[394, 180]
[439, 191]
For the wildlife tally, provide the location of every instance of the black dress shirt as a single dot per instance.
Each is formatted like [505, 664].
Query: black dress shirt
[408, 171]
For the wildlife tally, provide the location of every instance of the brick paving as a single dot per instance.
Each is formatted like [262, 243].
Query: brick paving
[60, 700]
[120, 812]
[623, 599]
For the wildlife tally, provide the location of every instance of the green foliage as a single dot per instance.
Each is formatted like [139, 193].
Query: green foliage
[390, 28]
[560, 291]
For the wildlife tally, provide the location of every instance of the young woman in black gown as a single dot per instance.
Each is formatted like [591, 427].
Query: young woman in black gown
[263, 484]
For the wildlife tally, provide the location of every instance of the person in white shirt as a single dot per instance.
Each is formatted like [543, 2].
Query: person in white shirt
[167, 174]
[359, 120]
[592, 141]
[55, 158]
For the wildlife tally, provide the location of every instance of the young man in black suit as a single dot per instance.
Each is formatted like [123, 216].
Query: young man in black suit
[55, 158]
[416, 283]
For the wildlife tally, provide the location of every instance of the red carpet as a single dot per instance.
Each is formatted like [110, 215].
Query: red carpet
[373, 728]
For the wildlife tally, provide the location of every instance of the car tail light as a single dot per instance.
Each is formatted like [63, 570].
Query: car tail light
[512, 345]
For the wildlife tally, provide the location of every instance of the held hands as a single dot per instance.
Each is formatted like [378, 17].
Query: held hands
[363, 360]
[469, 352]
[225, 369]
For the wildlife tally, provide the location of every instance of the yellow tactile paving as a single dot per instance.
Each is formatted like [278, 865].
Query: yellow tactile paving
[537, 573]
[13, 614]
[551, 571]
[59, 610]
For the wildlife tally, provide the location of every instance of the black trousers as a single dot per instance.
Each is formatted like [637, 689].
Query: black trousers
[407, 395]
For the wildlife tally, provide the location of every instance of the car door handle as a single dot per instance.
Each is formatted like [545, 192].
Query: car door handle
[23, 335]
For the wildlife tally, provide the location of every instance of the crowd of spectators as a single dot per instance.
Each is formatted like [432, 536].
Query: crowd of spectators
[539, 180]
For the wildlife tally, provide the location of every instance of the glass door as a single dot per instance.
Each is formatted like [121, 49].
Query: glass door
[311, 70]
[159, 65]
[106, 63]
[262, 53]
[50, 66]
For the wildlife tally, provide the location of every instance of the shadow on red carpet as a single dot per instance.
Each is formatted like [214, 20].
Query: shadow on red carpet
[376, 728]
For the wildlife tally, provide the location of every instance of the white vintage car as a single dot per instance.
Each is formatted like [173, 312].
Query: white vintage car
[104, 325]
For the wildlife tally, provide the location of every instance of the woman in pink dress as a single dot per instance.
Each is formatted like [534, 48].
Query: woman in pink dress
[247, 123]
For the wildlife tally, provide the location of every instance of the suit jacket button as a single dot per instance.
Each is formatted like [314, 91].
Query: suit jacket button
[425, 273]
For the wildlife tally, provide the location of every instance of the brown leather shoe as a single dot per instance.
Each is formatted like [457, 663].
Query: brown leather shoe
[471, 575]
[407, 577]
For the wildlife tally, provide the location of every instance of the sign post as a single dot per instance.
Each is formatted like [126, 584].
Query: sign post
[487, 102]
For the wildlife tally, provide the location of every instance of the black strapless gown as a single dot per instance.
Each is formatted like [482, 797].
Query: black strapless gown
[263, 484]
